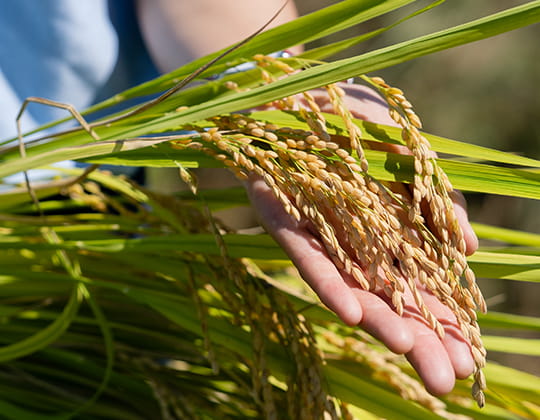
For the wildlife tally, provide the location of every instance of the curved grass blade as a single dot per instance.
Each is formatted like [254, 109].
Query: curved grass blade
[48, 335]
[108, 338]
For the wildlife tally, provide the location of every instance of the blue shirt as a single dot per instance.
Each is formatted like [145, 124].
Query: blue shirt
[71, 51]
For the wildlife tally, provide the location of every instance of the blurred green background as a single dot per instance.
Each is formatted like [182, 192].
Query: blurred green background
[486, 93]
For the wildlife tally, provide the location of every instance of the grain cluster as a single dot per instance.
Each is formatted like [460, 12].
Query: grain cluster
[388, 236]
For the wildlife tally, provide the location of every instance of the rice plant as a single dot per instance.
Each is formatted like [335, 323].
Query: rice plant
[118, 302]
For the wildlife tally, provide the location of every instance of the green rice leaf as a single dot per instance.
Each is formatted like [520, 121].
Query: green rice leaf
[238, 246]
[526, 346]
[383, 403]
[328, 50]
[506, 266]
[509, 236]
[508, 321]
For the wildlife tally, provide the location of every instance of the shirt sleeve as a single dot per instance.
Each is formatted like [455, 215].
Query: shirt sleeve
[63, 50]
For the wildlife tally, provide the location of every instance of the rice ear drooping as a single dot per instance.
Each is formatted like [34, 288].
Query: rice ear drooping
[388, 236]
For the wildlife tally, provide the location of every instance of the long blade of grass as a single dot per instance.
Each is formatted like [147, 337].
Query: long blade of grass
[371, 131]
[509, 236]
[388, 134]
[328, 50]
[525, 346]
[466, 176]
[506, 266]
[508, 321]
[302, 30]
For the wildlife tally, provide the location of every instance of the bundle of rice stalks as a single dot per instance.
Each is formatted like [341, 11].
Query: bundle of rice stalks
[386, 235]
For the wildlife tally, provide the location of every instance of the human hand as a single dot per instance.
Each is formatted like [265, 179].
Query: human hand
[438, 362]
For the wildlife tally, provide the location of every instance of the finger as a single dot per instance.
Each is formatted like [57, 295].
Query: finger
[317, 269]
[458, 350]
[430, 360]
[438, 362]
[306, 252]
[429, 355]
[383, 323]
[457, 347]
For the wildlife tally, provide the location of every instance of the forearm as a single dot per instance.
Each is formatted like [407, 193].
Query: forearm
[177, 32]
